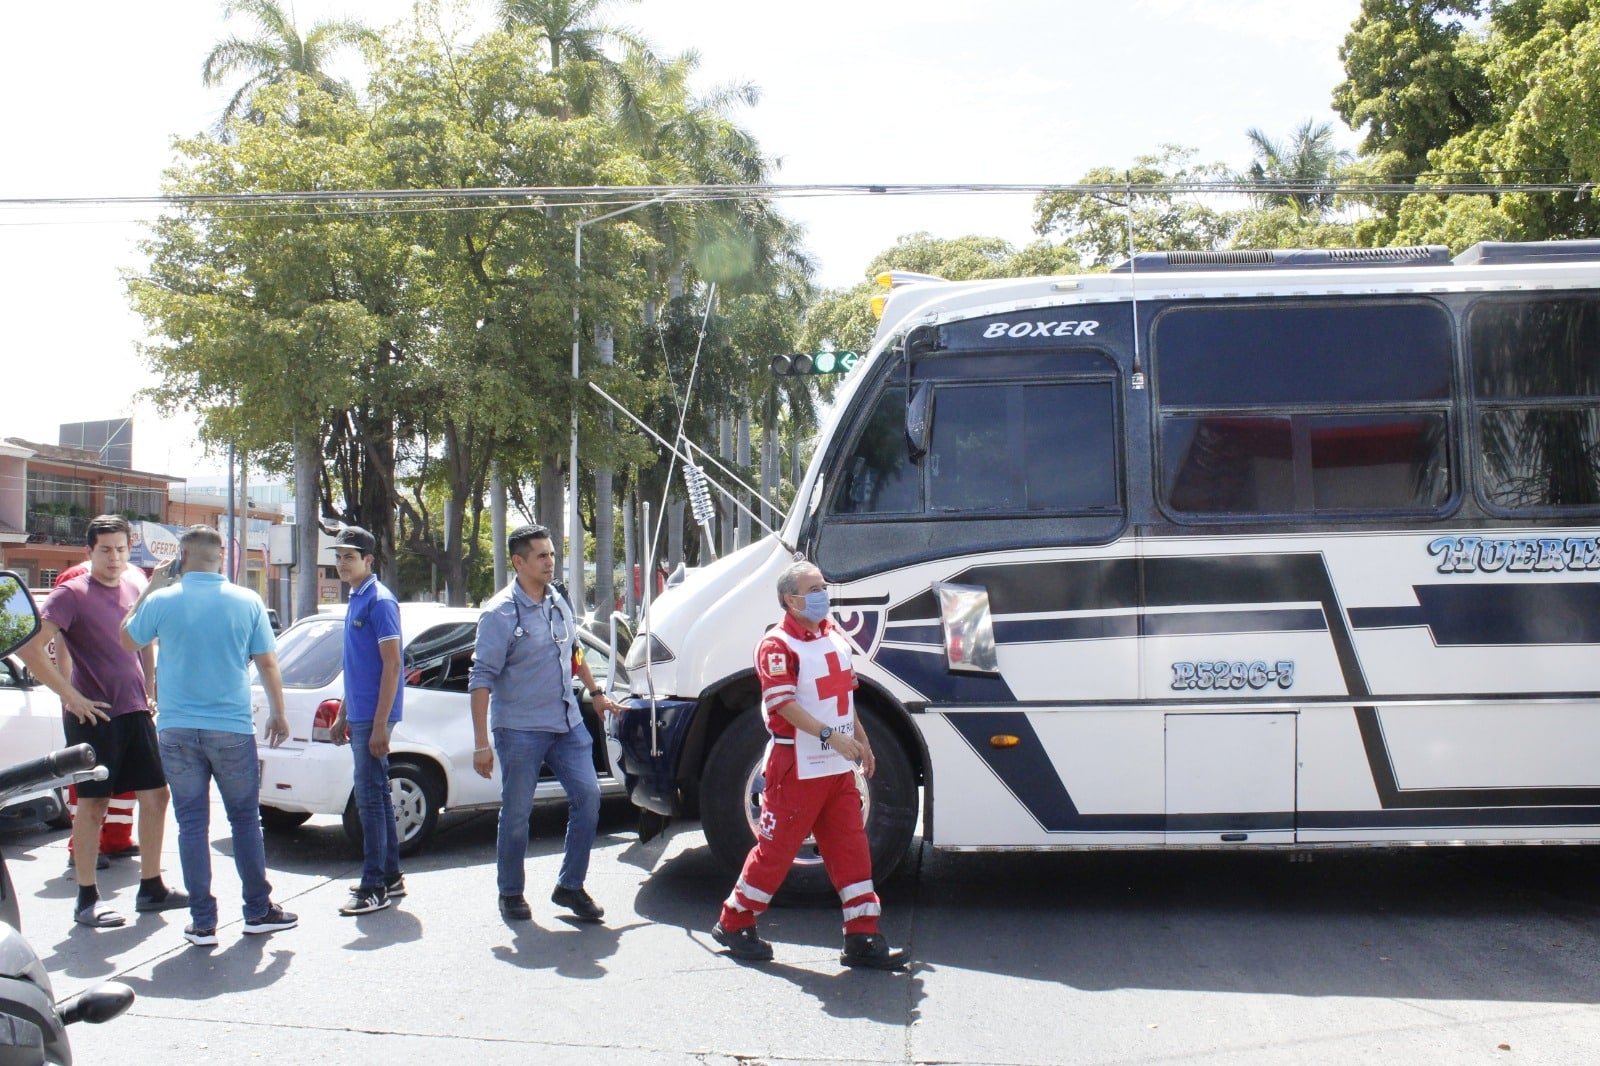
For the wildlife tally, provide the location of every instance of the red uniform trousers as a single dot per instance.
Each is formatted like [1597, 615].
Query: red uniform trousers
[116, 832]
[792, 809]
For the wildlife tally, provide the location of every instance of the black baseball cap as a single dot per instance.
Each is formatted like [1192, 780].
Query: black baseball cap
[357, 538]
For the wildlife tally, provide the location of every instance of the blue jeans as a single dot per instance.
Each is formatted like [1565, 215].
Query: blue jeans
[571, 757]
[380, 841]
[192, 759]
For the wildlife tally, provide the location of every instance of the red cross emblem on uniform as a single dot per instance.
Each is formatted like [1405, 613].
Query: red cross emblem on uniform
[836, 684]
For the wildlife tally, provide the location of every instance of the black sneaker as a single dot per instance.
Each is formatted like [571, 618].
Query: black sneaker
[578, 902]
[743, 943]
[395, 888]
[871, 951]
[515, 908]
[170, 899]
[204, 938]
[275, 920]
[365, 901]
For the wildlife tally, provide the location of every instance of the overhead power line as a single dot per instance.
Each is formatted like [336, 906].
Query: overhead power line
[589, 196]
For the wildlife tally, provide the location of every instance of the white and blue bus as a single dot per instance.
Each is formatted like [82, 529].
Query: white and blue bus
[1288, 549]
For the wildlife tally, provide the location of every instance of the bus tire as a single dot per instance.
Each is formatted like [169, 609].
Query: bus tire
[730, 796]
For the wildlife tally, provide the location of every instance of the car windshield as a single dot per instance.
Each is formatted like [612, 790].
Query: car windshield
[311, 654]
[441, 658]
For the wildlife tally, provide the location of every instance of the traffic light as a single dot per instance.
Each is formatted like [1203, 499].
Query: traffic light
[801, 364]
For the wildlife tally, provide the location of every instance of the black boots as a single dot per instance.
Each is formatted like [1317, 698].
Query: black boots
[743, 943]
[871, 951]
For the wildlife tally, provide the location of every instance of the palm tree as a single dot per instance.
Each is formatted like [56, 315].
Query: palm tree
[277, 53]
[566, 29]
[1307, 162]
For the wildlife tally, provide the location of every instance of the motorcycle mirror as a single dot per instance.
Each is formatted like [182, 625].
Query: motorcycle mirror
[99, 1004]
[19, 616]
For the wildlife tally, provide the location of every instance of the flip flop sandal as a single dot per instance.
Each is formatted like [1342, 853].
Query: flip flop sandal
[98, 917]
[170, 900]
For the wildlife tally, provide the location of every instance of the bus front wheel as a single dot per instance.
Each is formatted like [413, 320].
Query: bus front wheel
[730, 804]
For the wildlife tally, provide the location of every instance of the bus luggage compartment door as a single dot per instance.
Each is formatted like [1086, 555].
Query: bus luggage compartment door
[1230, 779]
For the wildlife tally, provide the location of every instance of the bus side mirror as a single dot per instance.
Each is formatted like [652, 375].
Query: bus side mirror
[919, 421]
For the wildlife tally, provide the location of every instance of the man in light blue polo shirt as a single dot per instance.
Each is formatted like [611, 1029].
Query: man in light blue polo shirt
[210, 631]
[372, 702]
[521, 684]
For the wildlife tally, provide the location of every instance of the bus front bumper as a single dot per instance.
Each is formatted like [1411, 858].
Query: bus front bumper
[650, 755]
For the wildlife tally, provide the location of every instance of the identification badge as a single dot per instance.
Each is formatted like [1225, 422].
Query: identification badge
[811, 759]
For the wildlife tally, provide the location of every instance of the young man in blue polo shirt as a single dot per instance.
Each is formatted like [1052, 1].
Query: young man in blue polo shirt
[372, 704]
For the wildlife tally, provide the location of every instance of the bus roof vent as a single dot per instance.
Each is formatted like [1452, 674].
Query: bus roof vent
[1285, 259]
[1410, 254]
[1486, 253]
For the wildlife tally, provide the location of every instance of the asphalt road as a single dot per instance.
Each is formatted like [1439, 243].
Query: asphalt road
[1416, 956]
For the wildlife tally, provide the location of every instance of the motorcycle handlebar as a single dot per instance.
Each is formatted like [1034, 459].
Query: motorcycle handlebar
[62, 763]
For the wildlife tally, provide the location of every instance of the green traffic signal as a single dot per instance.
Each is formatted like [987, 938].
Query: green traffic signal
[804, 363]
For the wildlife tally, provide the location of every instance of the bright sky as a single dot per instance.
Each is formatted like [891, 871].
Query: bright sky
[1010, 91]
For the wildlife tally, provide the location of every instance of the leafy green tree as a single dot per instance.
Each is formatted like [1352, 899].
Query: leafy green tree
[276, 54]
[15, 619]
[843, 319]
[395, 352]
[262, 320]
[1286, 227]
[972, 257]
[1413, 80]
[1539, 63]
[280, 56]
[1095, 227]
[490, 304]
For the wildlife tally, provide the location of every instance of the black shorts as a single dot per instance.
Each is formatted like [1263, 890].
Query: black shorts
[126, 746]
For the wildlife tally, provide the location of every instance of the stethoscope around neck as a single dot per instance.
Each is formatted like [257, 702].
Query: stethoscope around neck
[558, 635]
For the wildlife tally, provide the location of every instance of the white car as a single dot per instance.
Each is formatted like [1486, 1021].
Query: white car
[430, 755]
[30, 727]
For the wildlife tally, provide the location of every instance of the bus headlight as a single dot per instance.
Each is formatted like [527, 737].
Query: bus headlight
[658, 653]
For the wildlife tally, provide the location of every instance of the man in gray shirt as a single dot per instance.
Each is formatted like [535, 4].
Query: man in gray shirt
[522, 665]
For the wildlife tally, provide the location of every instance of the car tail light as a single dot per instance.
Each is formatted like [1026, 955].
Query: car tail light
[322, 724]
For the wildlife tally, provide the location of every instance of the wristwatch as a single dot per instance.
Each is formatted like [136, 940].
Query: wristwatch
[827, 731]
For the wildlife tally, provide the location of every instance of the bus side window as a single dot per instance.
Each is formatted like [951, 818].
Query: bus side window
[1536, 393]
[880, 477]
[1299, 410]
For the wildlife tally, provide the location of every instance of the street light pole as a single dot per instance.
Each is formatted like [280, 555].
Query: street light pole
[574, 546]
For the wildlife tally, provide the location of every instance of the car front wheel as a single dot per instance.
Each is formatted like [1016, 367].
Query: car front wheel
[417, 798]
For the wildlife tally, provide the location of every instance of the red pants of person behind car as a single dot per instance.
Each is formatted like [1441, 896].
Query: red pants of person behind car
[116, 832]
[792, 808]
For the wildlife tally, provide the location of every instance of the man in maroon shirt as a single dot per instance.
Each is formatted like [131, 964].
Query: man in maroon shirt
[116, 831]
[105, 704]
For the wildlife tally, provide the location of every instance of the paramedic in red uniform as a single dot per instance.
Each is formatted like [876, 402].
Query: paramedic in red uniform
[807, 687]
